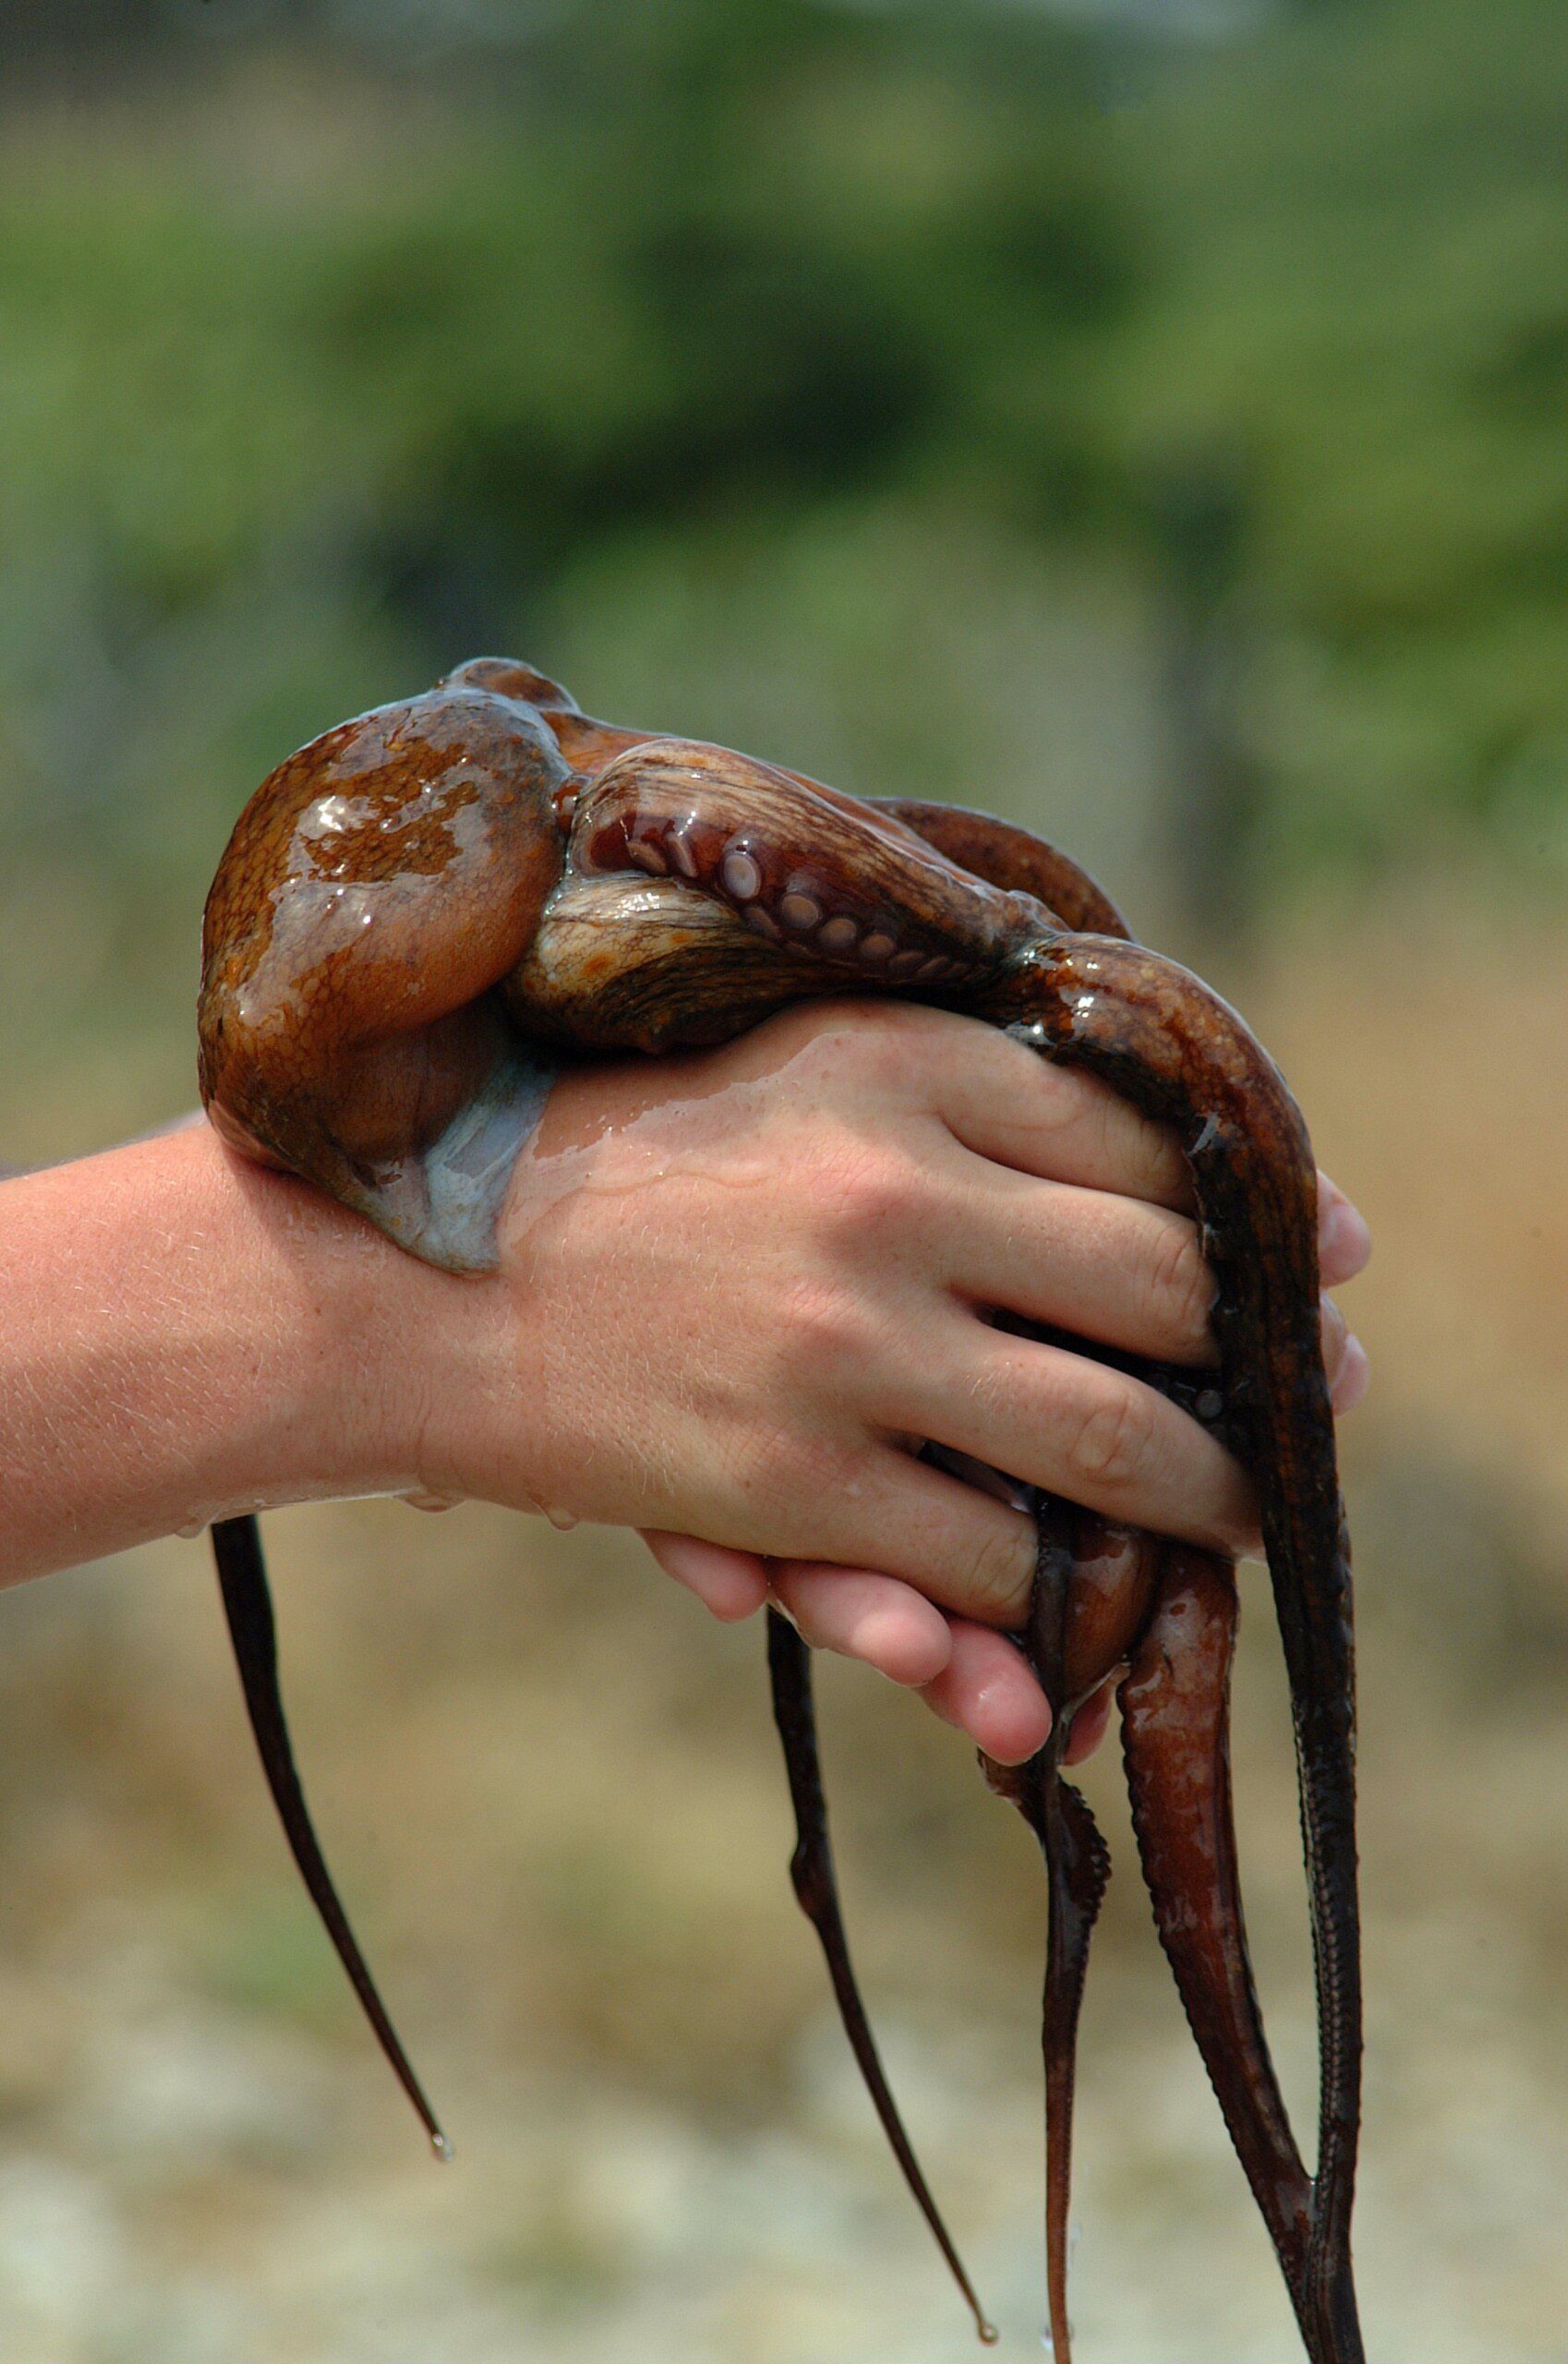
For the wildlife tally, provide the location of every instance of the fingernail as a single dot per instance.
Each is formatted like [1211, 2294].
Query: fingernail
[1353, 1377]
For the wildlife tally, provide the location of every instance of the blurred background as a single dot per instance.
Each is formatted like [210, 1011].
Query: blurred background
[1148, 420]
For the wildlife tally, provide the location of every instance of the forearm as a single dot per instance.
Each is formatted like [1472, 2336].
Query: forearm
[183, 1337]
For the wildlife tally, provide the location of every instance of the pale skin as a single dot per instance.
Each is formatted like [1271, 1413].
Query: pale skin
[736, 1289]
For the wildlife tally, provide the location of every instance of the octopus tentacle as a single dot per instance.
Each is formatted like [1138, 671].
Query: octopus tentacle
[1006, 856]
[816, 1891]
[803, 867]
[1174, 1709]
[1172, 1047]
[530, 874]
[1078, 1873]
[247, 1605]
[1163, 1041]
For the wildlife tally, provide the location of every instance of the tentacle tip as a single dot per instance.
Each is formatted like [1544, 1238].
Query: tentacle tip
[442, 2147]
[989, 2335]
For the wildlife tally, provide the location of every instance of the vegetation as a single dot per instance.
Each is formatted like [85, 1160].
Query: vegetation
[319, 369]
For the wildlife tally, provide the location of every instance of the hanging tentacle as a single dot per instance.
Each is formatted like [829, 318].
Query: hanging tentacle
[816, 1889]
[1173, 1048]
[1176, 1741]
[1078, 1873]
[248, 1604]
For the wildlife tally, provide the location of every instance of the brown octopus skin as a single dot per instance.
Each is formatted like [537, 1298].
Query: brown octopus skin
[410, 890]
[1315, 2260]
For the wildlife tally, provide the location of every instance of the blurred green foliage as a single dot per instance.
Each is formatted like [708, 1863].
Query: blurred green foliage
[319, 370]
[1366, 296]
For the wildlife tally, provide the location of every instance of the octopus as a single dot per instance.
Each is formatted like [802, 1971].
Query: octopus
[424, 910]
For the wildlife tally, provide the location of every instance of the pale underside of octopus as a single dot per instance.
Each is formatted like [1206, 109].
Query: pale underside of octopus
[420, 909]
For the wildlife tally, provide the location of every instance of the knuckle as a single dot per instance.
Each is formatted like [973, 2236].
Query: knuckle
[823, 1329]
[1086, 1122]
[1184, 1287]
[790, 1477]
[1155, 1159]
[1144, 1156]
[1111, 1443]
[999, 1577]
[867, 1191]
[1061, 1106]
[861, 1046]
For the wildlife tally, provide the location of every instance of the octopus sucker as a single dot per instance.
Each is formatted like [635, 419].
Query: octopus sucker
[741, 873]
[419, 910]
[800, 909]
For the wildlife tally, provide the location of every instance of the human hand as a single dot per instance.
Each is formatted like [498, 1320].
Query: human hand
[968, 1674]
[739, 1288]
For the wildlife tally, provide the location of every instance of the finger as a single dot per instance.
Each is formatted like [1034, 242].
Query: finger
[1345, 1242]
[987, 1689]
[1353, 1377]
[880, 1508]
[864, 1615]
[1105, 1267]
[1013, 1107]
[1089, 1723]
[1075, 1428]
[1334, 1333]
[1345, 1360]
[732, 1583]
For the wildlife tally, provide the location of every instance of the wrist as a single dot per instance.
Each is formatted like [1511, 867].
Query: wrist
[378, 1374]
[189, 1337]
[335, 1331]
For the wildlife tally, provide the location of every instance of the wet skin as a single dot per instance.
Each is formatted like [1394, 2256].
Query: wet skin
[420, 910]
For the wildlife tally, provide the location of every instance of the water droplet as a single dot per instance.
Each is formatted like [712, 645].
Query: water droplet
[192, 1528]
[442, 2149]
[427, 1498]
[562, 1521]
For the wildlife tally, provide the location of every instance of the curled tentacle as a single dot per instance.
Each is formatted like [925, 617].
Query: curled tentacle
[1006, 856]
[803, 867]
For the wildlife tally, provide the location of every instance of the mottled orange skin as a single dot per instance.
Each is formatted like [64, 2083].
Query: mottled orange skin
[415, 903]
